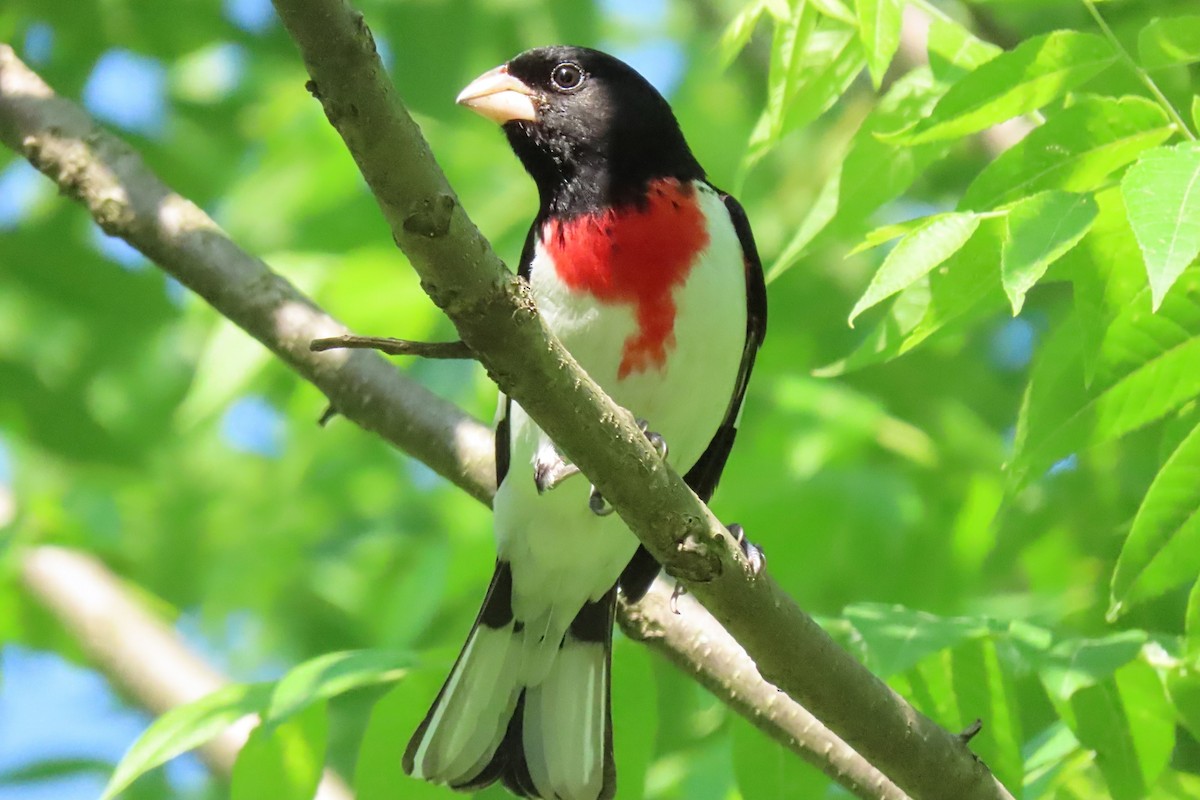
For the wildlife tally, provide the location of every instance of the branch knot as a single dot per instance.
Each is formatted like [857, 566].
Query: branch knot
[430, 217]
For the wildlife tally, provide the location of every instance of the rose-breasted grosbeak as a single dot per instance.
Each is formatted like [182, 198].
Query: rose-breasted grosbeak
[650, 278]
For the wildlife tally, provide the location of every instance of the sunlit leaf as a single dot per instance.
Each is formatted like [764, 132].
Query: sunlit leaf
[918, 253]
[879, 28]
[1192, 622]
[809, 72]
[283, 761]
[984, 690]
[332, 674]
[895, 638]
[738, 32]
[1162, 198]
[1073, 150]
[767, 770]
[1163, 547]
[872, 172]
[1183, 687]
[1173, 40]
[634, 715]
[954, 50]
[959, 291]
[1145, 368]
[1079, 663]
[1126, 719]
[1040, 230]
[835, 9]
[185, 728]
[378, 774]
[1031, 75]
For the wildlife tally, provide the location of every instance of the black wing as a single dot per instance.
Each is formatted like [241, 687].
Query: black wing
[705, 473]
[503, 456]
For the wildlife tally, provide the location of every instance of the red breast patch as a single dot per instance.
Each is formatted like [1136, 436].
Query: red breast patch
[635, 255]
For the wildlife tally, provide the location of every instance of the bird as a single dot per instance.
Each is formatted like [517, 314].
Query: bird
[649, 276]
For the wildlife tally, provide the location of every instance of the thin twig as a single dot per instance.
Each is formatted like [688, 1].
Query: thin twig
[392, 347]
[1143, 76]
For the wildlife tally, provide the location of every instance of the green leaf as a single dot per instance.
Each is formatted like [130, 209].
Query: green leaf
[983, 690]
[1041, 229]
[962, 289]
[1024, 79]
[1183, 687]
[786, 72]
[1105, 271]
[1174, 40]
[879, 28]
[1073, 151]
[284, 761]
[634, 714]
[185, 728]
[766, 770]
[1076, 664]
[1196, 112]
[886, 233]
[872, 173]
[1192, 623]
[954, 50]
[332, 674]
[1163, 547]
[1162, 198]
[378, 774]
[896, 638]
[738, 32]
[809, 72]
[916, 255]
[835, 9]
[1127, 721]
[1146, 367]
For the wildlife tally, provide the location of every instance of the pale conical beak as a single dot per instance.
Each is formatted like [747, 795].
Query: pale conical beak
[499, 96]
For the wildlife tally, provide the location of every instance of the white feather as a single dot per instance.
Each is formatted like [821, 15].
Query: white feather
[564, 724]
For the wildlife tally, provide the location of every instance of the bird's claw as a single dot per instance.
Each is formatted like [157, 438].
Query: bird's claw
[549, 473]
[598, 505]
[753, 553]
[656, 440]
[679, 591]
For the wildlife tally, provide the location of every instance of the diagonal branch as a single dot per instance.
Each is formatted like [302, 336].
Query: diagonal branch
[113, 183]
[496, 317]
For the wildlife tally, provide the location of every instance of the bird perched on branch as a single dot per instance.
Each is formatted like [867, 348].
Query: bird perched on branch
[650, 278]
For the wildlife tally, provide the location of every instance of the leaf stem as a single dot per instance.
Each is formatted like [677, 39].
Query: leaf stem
[1143, 76]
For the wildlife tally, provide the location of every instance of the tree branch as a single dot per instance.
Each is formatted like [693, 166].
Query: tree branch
[121, 194]
[138, 653]
[81, 162]
[497, 318]
[392, 347]
[697, 644]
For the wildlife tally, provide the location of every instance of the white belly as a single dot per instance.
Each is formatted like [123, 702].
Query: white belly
[559, 549]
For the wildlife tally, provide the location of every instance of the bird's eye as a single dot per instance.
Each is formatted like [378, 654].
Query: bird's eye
[566, 76]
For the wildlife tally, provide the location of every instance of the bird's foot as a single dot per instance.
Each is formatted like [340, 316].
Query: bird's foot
[656, 440]
[551, 469]
[753, 553]
[598, 505]
[679, 591]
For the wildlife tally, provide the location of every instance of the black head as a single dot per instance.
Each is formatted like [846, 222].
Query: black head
[590, 130]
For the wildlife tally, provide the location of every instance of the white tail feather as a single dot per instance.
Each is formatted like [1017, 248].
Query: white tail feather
[472, 715]
[564, 724]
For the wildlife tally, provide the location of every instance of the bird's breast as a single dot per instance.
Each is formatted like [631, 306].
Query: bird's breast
[635, 256]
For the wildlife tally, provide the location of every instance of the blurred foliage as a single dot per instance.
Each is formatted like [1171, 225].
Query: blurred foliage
[1028, 482]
